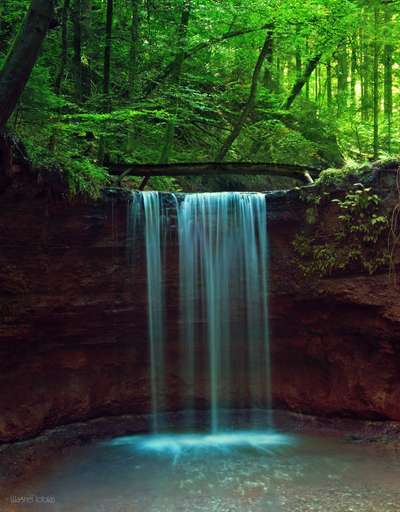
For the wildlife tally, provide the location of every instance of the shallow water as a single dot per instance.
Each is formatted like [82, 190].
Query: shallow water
[266, 472]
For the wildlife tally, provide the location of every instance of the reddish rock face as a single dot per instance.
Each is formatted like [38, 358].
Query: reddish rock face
[73, 333]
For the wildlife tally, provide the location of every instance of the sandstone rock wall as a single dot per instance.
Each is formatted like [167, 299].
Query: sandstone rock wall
[73, 335]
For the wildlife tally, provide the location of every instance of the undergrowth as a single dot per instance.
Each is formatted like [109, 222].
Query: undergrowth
[358, 239]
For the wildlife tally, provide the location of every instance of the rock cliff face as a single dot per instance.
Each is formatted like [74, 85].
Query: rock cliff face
[73, 334]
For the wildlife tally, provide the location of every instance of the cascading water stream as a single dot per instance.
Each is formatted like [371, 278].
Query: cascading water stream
[223, 275]
[152, 218]
[223, 287]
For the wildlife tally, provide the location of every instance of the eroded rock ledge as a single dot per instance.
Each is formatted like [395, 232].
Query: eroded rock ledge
[73, 336]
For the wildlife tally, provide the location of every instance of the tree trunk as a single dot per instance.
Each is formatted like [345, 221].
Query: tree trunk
[134, 50]
[353, 80]
[365, 77]
[303, 173]
[133, 71]
[388, 82]
[64, 47]
[107, 103]
[376, 83]
[182, 39]
[77, 47]
[316, 85]
[269, 60]
[329, 94]
[342, 77]
[176, 74]
[250, 101]
[299, 64]
[23, 55]
[107, 56]
[87, 57]
[278, 75]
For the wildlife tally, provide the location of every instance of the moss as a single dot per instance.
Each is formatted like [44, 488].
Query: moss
[336, 177]
[81, 175]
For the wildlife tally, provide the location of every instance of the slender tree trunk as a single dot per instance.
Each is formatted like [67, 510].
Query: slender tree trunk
[320, 93]
[77, 47]
[23, 55]
[307, 84]
[250, 101]
[342, 75]
[134, 50]
[269, 60]
[361, 74]
[64, 47]
[107, 56]
[81, 28]
[365, 77]
[329, 94]
[278, 83]
[86, 35]
[176, 75]
[299, 63]
[376, 83]
[133, 71]
[316, 85]
[353, 80]
[107, 102]
[182, 39]
[388, 81]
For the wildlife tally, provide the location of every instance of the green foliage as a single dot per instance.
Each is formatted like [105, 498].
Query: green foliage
[359, 240]
[325, 125]
[360, 215]
[82, 176]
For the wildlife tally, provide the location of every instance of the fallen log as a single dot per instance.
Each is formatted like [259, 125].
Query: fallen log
[302, 173]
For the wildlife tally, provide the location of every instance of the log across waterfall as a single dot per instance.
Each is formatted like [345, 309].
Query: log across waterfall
[223, 294]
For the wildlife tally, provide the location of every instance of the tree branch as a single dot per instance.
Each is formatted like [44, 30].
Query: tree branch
[301, 81]
[155, 82]
[251, 99]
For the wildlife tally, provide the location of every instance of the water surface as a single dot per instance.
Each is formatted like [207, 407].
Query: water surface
[230, 472]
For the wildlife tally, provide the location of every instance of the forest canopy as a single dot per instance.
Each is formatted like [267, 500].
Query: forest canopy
[310, 82]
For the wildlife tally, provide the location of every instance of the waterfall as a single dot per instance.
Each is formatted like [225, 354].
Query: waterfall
[152, 218]
[223, 295]
[223, 275]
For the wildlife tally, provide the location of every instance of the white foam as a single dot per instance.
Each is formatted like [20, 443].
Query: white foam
[175, 444]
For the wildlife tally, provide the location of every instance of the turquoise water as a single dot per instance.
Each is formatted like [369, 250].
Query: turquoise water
[237, 472]
[181, 445]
